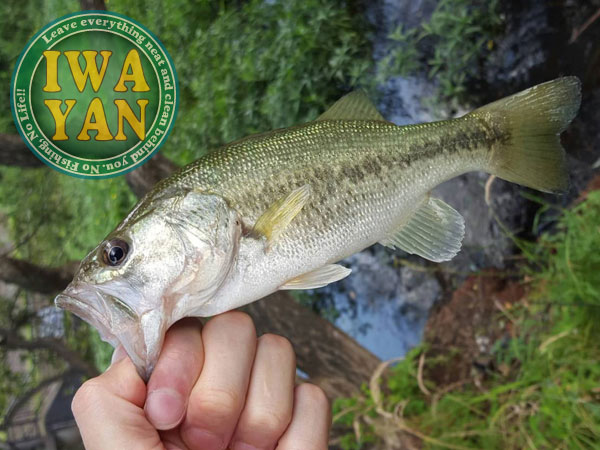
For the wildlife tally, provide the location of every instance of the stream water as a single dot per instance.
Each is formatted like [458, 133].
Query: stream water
[382, 305]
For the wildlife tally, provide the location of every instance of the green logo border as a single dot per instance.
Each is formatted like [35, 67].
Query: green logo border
[124, 168]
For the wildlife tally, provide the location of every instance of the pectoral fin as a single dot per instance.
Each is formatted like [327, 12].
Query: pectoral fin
[279, 215]
[318, 278]
[434, 232]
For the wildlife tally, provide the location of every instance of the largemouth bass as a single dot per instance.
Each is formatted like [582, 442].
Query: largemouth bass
[278, 210]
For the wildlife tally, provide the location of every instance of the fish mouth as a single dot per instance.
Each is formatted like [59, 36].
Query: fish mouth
[117, 323]
[76, 300]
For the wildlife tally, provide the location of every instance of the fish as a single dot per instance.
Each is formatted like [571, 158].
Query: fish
[279, 210]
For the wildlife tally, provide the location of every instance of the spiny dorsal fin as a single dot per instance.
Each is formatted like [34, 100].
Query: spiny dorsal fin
[434, 232]
[353, 106]
[318, 278]
[279, 215]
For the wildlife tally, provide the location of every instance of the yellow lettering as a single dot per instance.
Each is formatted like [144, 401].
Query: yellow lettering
[132, 63]
[126, 113]
[51, 71]
[91, 69]
[59, 118]
[95, 110]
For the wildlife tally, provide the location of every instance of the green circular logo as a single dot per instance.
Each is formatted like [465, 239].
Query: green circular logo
[94, 94]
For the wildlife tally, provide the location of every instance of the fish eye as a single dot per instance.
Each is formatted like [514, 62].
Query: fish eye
[115, 252]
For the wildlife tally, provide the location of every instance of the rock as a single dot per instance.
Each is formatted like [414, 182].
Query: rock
[530, 49]
[486, 243]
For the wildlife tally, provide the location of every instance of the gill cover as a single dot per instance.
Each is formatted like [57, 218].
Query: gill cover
[210, 232]
[181, 247]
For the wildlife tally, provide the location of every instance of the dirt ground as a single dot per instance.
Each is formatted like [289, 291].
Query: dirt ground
[462, 332]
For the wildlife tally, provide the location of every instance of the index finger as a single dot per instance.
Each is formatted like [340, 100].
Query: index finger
[108, 410]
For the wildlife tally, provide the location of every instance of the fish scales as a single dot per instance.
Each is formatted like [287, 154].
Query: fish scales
[277, 210]
[360, 173]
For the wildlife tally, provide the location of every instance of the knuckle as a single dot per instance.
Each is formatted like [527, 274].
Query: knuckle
[89, 394]
[268, 422]
[216, 405]
[313, 394]
[174, 356]
[241, 321]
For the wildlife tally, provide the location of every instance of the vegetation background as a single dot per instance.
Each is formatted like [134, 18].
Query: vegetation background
[250, 66]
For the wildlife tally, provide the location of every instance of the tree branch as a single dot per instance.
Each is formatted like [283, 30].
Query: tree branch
[10, 339]
[142, 179]
[14, 152]
[16, 406]
[330, 357]
[36, 278]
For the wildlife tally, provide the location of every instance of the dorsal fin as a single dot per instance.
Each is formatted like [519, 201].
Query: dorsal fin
[353, 106]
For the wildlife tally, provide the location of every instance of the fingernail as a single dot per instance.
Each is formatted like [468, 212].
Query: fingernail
[204, 439]
[164, 408]
[243, 446]
[118, 355]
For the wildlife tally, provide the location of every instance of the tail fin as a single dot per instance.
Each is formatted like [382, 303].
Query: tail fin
[533, 120]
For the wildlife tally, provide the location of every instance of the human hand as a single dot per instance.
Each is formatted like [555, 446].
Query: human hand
[212, 387]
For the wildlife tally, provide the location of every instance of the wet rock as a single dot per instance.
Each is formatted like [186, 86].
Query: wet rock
[402, 97]
[487, 241]
[530, 49]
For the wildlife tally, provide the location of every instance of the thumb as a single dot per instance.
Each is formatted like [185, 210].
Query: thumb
[109, 409]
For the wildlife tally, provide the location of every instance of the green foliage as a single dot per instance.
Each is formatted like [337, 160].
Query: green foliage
[360, 413]
[58, 218]
[19, 21]
[548, 396]
[450, 47]
[244, 67]
[572, 275]
[101, 351]
[321, 305]
[253, 67]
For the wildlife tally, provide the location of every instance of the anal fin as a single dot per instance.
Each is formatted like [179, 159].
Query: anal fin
[434, 232]
[318, 278]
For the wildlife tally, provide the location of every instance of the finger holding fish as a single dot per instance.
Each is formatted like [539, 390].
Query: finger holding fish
[212, 388]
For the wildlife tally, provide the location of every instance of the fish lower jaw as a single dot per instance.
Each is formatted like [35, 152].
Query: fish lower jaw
[88, 314]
